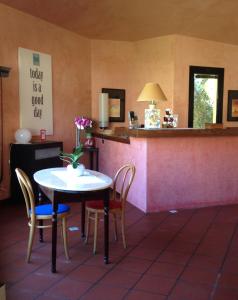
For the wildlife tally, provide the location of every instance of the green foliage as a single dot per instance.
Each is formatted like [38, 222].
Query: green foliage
[74, 157]
[203, 110]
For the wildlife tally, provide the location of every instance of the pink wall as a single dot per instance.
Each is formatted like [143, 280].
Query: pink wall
[113, 155]
[164, 60]
[129, 66]
[154, 62]
[82, 67]
[112, 67]
[198, 52]
[191, 172]
[175, 173]
[71, 68]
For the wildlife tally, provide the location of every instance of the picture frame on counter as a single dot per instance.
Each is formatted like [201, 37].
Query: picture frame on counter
[116, 104]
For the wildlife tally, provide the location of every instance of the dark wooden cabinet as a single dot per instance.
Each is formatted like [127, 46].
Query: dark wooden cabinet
[31, 158]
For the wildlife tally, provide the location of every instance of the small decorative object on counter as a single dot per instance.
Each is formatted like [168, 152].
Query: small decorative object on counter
[152, 118]
[170, 120]
[133, 120]
[42, 135]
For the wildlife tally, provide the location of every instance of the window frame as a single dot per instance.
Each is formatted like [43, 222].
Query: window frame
[206, 70]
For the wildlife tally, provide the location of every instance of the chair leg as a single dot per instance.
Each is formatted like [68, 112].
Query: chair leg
[41, 231]
[88, 222]
[30, 242]
[95, 233]
[65, 238]
[123, 230]
[115, 226]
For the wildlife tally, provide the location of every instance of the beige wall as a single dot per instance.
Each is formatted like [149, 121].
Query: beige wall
[71, 68]
[154, 62]
[198, 52]
[129, 66]
[112, 67]
[165, 60]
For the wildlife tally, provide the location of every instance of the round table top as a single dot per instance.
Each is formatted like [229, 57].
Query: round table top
[61, 180]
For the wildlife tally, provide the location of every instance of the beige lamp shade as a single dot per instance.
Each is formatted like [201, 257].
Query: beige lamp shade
[152, 92]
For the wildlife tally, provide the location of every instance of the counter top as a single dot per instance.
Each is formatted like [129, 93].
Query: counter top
[117, 137]
[183, 132]
[123, 134]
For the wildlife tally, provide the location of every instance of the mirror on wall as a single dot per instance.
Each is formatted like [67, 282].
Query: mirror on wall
[205, 96]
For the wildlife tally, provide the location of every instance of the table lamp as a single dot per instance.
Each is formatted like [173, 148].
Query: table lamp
[152, 92]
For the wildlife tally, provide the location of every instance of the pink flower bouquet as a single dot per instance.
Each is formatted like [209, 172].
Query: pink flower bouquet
[83, 123]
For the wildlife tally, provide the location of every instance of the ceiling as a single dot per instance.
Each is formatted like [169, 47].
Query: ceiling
[132, 20]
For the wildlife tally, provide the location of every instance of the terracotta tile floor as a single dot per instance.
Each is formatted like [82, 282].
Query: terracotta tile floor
[192, 254]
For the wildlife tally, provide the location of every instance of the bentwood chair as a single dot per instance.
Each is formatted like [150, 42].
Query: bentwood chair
[95, 209]
[37, 214]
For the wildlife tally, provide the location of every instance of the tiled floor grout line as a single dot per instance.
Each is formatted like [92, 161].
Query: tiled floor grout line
[83, 262]
[81, 297]
[14, 244]
[173, 235]
[223, 262]
[66, 274]
[165, 247]
[192, 255]
[23, 257]
[42, 265]
[60, 279]
[41, 245]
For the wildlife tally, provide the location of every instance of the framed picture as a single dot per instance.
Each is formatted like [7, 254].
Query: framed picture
[116, 104]
[232, 110]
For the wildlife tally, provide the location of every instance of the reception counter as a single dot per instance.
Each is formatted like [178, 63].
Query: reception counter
[175, 168]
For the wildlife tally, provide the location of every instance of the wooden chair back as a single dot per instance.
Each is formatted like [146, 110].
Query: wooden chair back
[122, 183]
[27, 191]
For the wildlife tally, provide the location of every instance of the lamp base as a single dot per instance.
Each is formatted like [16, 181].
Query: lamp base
[152, 106]
[152, 118]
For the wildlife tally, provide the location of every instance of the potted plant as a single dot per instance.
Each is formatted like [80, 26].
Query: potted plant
[85, 124]
[72, 159]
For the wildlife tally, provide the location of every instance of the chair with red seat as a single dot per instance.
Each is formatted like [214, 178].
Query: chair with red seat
[40, 213]
[95, 209]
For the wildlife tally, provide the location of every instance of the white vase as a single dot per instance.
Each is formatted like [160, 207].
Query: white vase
[79, 171]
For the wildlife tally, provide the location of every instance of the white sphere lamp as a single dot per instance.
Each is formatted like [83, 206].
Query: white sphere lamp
[23, 136]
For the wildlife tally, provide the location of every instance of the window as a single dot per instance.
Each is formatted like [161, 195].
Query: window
[205, 96]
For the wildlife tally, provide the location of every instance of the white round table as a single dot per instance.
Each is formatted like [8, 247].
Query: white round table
[59, 180]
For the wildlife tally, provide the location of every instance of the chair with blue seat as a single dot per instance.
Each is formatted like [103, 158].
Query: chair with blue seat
[39, 213]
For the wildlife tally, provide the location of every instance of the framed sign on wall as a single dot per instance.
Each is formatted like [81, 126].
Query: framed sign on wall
[35, 89]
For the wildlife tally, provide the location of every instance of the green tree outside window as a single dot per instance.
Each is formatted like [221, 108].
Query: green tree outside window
[203, 109]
